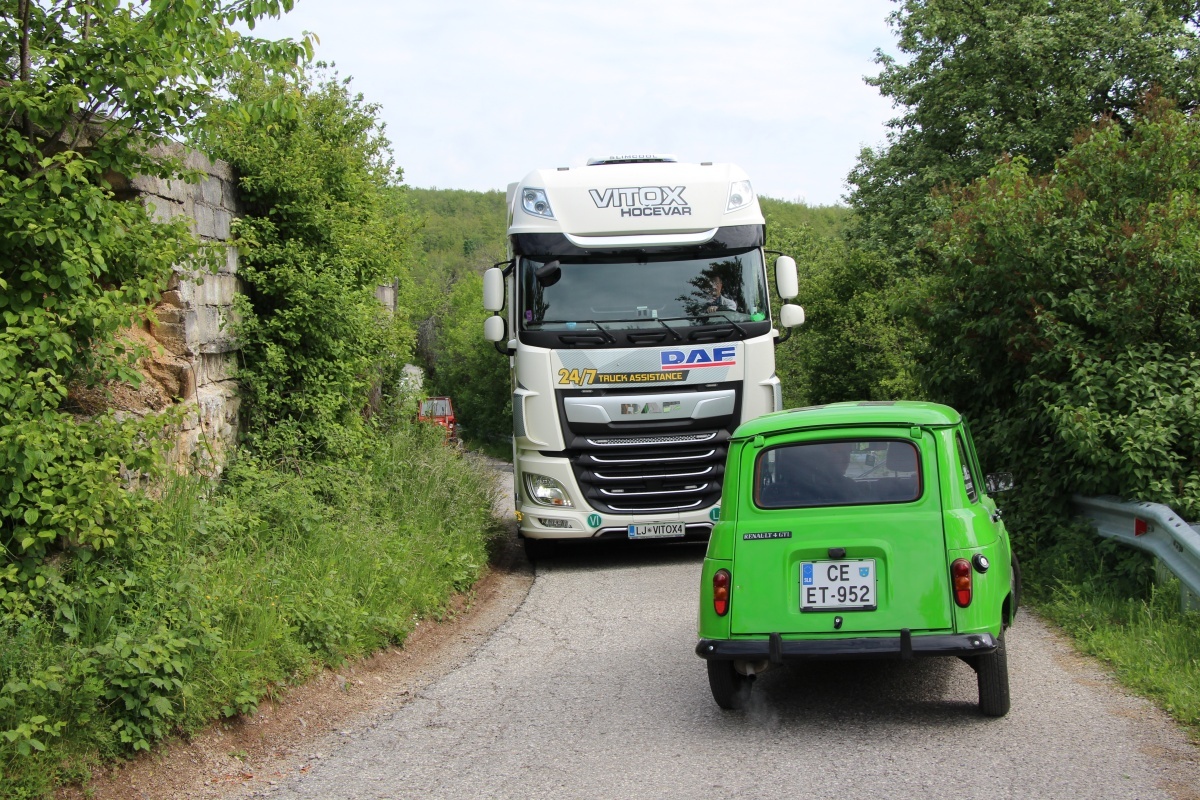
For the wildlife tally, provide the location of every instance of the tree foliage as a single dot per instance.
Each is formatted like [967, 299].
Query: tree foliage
[1064, 319]
[468, 368]
[320, 233]
[460, 230]
[86, 92]
[830, 221]
[977, 80]
[461, 234]
[855, 344]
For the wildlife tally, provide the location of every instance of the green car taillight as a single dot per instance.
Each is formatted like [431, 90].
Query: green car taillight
[960, 580]
[721, 592]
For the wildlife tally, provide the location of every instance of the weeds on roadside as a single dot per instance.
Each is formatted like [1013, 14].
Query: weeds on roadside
[236, 591]
[1152, 646]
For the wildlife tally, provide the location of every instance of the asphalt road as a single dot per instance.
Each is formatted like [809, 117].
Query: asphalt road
[591, 690]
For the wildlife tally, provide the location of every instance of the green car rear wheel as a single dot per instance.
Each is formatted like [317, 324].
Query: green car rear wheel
[730, 688]
[992, 673]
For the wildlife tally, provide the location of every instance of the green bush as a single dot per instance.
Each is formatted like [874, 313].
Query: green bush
[78, 264]
[1063, 321]
[855, 343]
[320, 233]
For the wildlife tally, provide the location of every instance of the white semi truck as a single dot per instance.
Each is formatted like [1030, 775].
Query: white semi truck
[639, 335]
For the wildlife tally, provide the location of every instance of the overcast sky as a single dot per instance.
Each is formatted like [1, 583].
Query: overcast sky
[476, 93]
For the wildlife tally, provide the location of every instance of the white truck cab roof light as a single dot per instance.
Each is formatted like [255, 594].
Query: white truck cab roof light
[534, 202]
[643, 159]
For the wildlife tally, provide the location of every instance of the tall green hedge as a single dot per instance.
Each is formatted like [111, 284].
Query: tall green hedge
[319, 235]
[1064, 320]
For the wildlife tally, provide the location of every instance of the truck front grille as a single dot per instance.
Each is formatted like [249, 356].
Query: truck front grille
[672, 476]
[637, 441]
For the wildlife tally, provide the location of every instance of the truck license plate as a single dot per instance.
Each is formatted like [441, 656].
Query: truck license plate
[657, 530]
[845, 585]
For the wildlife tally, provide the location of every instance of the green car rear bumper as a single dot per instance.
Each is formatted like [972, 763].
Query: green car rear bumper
[777, 650]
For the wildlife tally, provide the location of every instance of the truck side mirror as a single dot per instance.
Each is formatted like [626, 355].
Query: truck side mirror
[786, 280]
[493, 329]
[493, 291]
[791, 315]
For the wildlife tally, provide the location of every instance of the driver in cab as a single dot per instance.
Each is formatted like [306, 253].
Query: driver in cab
[717, 299]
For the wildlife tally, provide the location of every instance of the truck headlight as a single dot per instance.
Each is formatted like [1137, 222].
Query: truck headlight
[535, 202]
[546, 491]
[740, 196]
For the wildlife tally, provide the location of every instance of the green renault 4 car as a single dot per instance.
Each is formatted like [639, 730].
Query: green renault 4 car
[857, 530]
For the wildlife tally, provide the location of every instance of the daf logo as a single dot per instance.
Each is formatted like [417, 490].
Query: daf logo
[643, 201]
[699, 357]
[650, 408]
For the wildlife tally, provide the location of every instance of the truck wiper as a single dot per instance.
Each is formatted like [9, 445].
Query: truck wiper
[611, 339]
[570, 337]
[670, 330]
[697, 334]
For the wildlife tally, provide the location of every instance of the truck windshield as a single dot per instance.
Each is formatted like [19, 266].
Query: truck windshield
[642, 292]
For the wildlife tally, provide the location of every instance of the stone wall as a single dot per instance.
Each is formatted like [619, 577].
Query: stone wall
[194, 358]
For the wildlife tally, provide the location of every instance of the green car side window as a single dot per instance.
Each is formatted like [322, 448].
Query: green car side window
[968, 471]
[837, 473]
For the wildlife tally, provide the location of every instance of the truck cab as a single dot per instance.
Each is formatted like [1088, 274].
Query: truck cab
[635, 314]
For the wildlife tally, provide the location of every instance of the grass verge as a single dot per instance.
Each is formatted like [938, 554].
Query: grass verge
[1150, 644]
[232, 593]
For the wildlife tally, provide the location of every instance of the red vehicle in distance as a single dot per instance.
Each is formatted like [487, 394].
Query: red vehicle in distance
[439, 411]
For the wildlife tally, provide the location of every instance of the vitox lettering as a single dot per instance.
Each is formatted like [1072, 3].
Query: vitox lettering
[643, 201]
[699, 357]
[639, 196]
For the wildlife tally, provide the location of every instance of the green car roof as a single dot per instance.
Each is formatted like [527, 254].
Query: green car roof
[901, 413]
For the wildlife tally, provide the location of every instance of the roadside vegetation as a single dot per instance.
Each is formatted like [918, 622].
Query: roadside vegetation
[1022, 248]
[461, 234]
[138, 603]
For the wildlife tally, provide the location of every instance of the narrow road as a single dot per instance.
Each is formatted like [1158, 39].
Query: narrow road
[591, 690]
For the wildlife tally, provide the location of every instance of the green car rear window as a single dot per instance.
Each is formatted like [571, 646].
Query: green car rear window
[845, 472]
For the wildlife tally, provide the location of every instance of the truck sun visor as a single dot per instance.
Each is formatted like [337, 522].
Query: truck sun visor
[539, 245]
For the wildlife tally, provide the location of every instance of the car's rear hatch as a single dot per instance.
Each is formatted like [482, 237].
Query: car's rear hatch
[874, 564]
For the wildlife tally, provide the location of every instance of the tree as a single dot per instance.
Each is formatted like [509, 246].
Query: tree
[322, 230]
[1064, 320]
[854, 345]
[86, 92]
[985, 78]
[468, 368]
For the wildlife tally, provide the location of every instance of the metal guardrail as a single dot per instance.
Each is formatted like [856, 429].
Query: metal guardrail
[1154, 528]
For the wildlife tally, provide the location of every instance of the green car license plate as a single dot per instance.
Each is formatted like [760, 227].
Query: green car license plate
[844, 585]
[657, 530]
